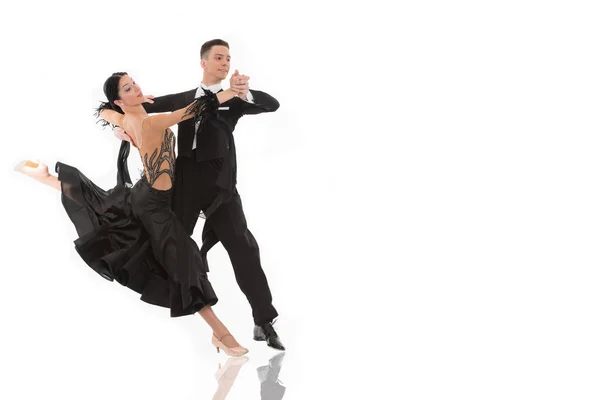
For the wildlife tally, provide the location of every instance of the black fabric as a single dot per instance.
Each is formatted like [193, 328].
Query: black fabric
[214, 138]
[195, 189]
[205, 185]
[211, 143]
[131, 235]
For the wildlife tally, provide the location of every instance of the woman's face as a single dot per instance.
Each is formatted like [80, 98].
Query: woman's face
[130, 94]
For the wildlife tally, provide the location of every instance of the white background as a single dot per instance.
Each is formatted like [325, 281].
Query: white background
[426, 198]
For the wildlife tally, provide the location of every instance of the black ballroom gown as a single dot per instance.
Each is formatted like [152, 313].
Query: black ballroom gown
[131, 235]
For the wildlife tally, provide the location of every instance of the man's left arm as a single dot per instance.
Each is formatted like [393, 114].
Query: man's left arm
[257, 102]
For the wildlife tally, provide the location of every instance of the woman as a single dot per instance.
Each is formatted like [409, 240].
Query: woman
[130, 234]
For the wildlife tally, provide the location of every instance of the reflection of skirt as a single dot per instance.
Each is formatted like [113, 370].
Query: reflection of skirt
[130, 234]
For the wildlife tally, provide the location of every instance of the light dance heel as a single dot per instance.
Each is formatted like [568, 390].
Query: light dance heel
[34, 169]
[230, 351]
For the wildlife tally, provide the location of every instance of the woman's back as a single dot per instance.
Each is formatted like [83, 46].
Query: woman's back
[157, 150]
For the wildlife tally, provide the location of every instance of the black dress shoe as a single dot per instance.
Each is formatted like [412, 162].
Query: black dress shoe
[267, 333]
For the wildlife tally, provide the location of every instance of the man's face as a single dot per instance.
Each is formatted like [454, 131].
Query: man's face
[217, 62]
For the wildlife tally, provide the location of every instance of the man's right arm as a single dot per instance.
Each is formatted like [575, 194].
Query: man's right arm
[162, 104]
[199, 106]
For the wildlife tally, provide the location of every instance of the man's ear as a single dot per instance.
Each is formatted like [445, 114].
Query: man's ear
[203, 63]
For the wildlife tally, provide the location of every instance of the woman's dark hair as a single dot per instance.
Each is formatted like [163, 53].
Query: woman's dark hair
[111, 91]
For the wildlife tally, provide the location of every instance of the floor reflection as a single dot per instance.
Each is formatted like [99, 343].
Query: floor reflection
[226, 376]
[271, 388]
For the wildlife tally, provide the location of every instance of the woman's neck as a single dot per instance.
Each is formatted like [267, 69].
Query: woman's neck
[135, 112]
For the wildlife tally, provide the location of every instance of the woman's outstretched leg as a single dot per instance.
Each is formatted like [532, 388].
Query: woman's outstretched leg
[39, 172]
[220, 331]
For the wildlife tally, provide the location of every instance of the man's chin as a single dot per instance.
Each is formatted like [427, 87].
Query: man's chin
[218, 76]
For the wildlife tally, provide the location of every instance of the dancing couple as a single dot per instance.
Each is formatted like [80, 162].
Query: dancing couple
[140, 235]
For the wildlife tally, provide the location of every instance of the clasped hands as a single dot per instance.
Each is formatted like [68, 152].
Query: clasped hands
[239, 84]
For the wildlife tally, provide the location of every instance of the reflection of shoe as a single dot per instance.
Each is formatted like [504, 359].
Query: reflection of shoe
[271, 372]
[276, 361]
[271, 388]
[230, 351]
[231, 368]
[34, 169]
[227, 375]
[267, 333]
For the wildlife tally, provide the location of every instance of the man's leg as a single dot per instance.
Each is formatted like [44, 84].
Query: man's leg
[229, 225]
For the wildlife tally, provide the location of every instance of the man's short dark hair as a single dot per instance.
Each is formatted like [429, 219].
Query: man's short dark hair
[209, 45]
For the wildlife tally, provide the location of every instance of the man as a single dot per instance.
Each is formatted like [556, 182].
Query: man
[205, 178]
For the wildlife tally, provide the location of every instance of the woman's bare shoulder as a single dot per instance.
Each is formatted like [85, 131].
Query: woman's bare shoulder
[150, 123]
[153, 128]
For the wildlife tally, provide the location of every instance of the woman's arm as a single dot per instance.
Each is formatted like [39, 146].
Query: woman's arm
[111, 116]
[200, 106]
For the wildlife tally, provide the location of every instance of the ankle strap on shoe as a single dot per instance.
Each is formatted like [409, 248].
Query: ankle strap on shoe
[221, 338]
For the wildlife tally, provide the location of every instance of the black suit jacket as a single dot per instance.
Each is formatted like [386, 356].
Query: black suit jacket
[214, 141]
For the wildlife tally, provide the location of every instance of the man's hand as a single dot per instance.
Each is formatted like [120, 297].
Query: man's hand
[148, 99]
[121, 134]
[239, 84]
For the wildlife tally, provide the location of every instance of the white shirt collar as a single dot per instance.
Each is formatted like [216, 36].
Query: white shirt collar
[213, 88]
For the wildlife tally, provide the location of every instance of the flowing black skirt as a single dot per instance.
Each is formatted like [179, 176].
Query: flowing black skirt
[130, 234]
